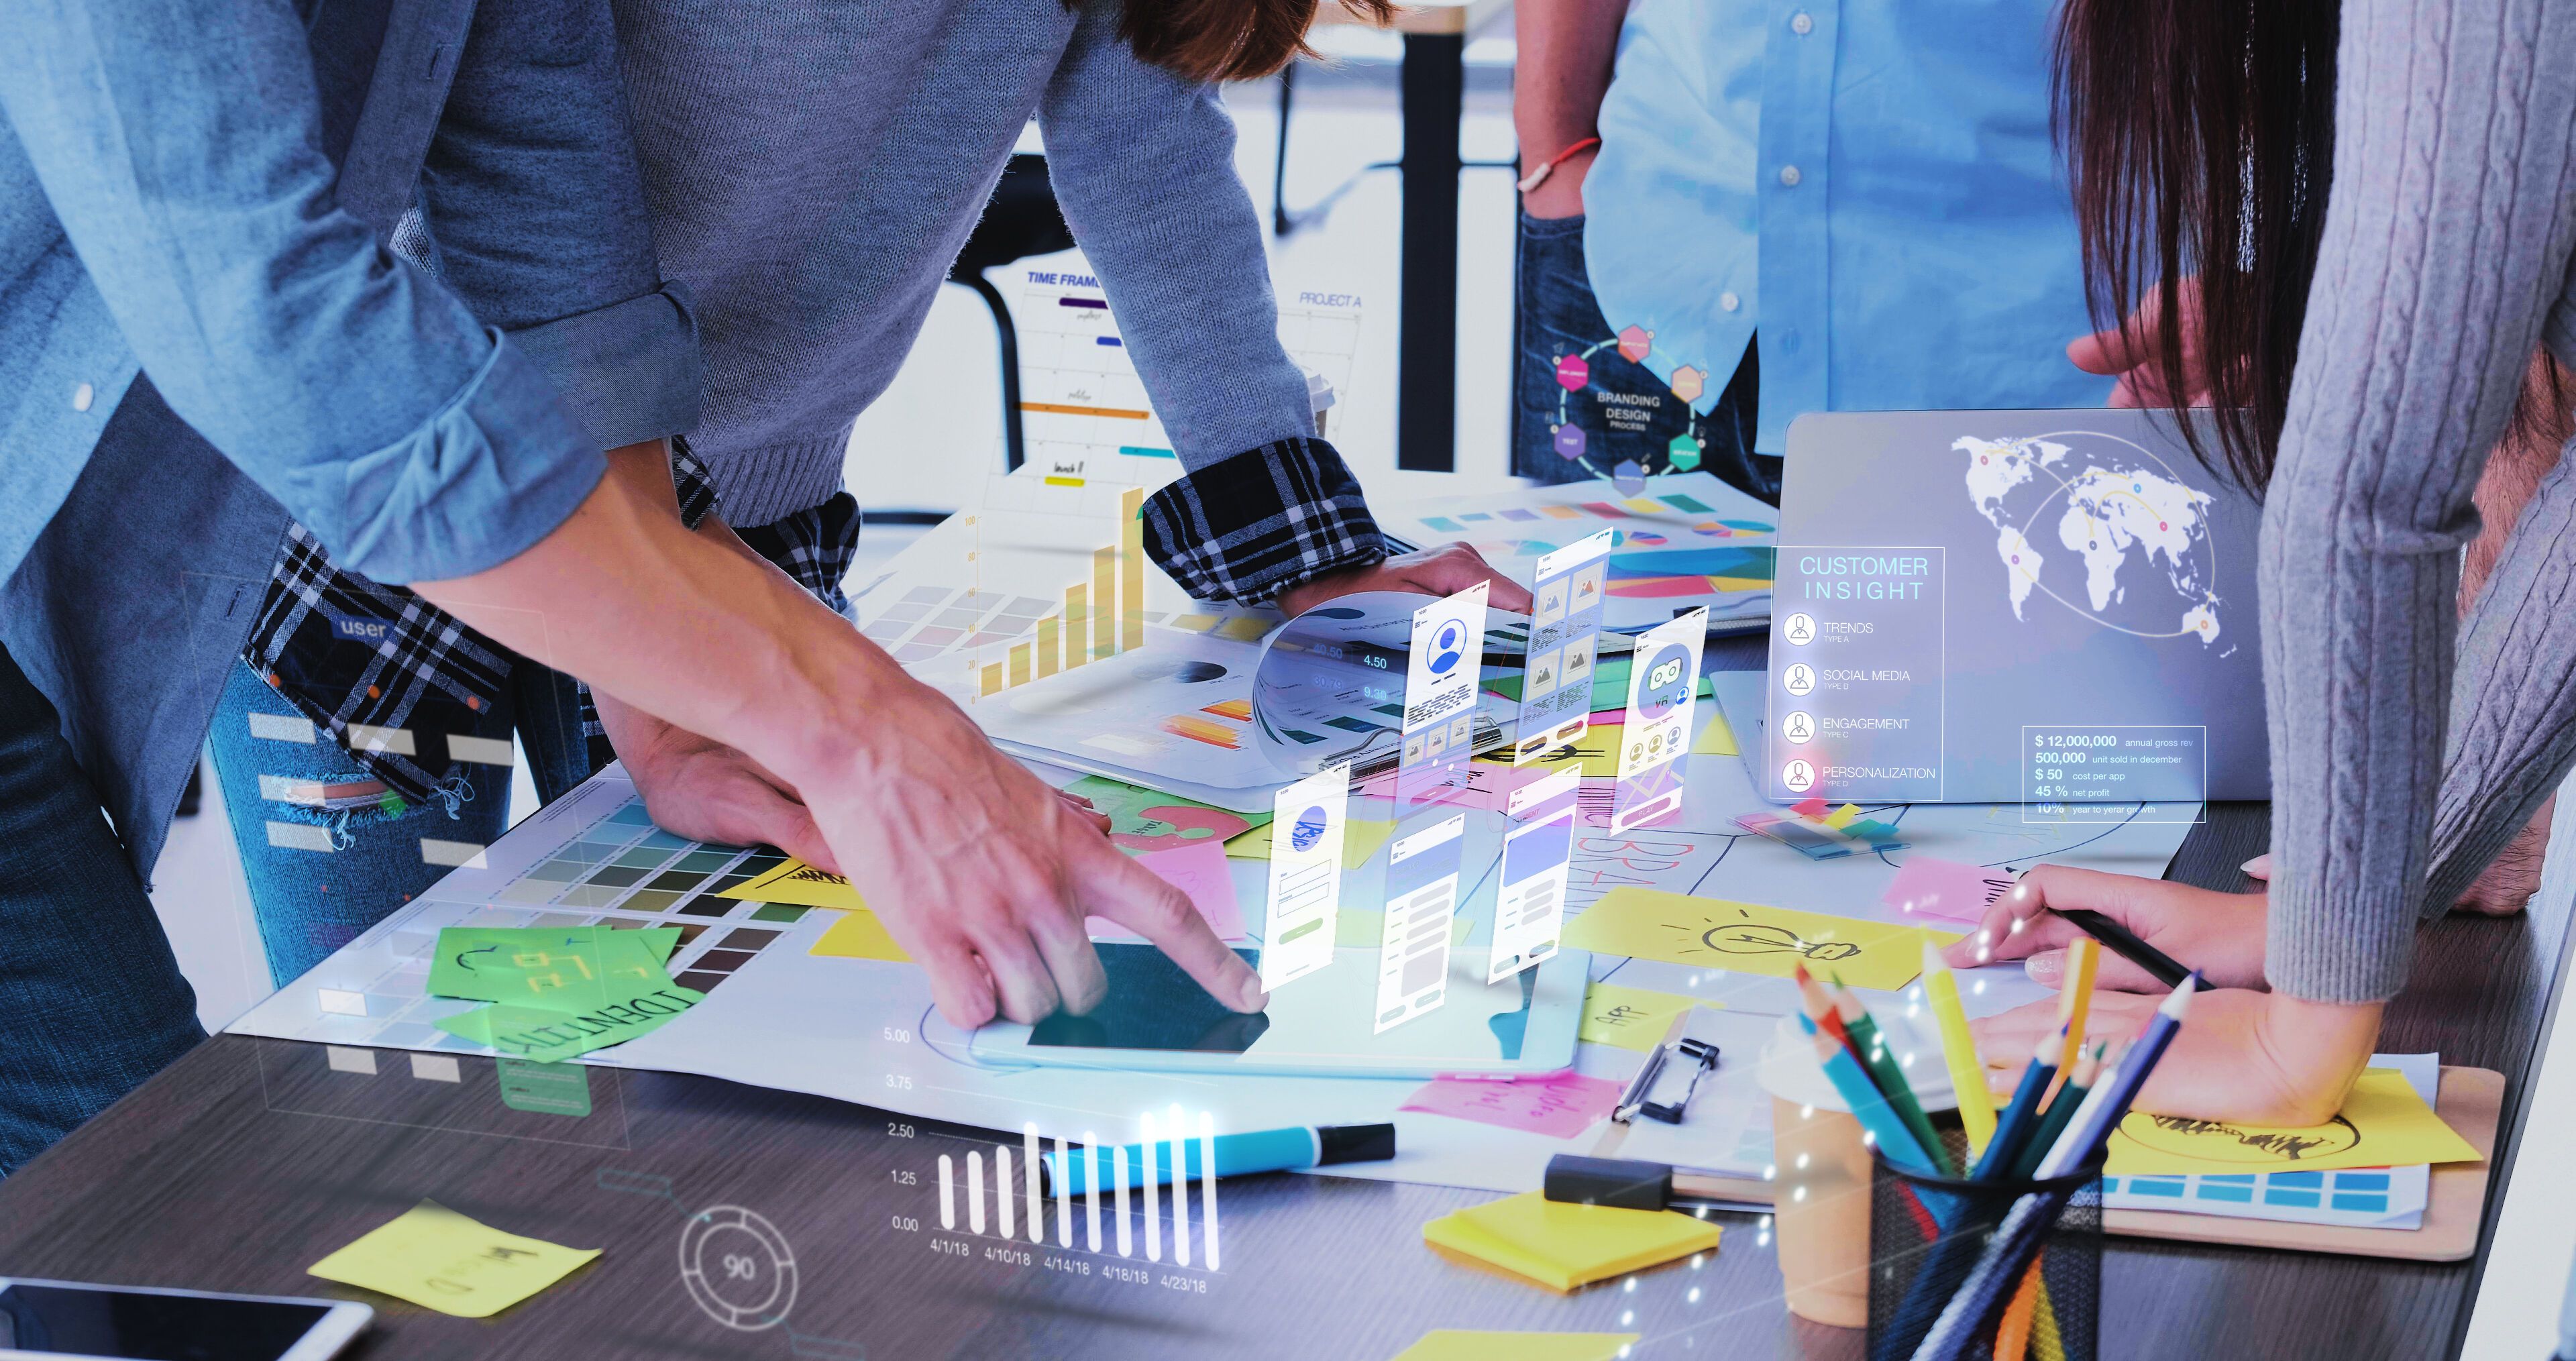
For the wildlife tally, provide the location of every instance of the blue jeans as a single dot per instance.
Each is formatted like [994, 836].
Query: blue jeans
[325, 862]
[1621, 412]
[91, 1000]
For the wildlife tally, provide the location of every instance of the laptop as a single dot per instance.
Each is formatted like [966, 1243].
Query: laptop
[2038, 607]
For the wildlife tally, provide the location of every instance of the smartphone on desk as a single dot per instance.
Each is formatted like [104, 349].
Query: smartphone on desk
[58, 1320]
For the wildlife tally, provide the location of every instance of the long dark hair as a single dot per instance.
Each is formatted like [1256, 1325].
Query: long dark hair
[1228, 39]
[2199, 139]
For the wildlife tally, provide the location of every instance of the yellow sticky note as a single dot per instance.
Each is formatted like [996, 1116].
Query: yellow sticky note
[1565, 1246]
[1842, 817]
[1631, 1018]
[1364, 928]
[1360, 840]
[859, 935]
[1712, 933]
[2383, 1123]
[439, 1259]
[801, 885]
[1716, 739]
[1461, 1344]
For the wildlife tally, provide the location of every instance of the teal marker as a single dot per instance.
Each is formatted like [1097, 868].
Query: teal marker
[1268, 1150]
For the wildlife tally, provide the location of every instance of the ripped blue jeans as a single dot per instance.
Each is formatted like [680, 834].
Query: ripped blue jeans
[327, 856]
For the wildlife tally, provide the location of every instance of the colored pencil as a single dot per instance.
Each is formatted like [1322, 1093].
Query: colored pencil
[2009, 1251]
[2061, 1111]
[1868, 1107]
[2075, 996]
[1959, 1050]
[2012, 1338]
[2125, 943]
[1820, 1008]
[2012, 1129]
[1870, 1047]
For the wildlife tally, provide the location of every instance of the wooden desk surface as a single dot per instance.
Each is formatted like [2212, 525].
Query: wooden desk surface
[251, 1159]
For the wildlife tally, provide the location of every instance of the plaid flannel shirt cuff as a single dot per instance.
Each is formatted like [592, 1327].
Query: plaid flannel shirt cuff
[695, 486]
[1245, 528]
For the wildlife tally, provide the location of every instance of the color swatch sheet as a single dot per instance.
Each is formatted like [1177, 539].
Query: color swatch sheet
[1688, 539]
[2362, 1198]
[819, 1023]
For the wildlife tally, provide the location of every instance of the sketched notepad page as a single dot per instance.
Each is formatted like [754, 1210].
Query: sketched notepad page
[2367, 1198]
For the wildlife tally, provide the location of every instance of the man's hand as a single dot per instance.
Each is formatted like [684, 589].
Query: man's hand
[983, 873]
[2251, 1057]
[2220, 934]
[2132, 351]
[1445, 570]
[704, 790]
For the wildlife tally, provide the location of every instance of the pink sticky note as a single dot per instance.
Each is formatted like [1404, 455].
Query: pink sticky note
[1199, 870]
[1930, 886]
[1559, 1106]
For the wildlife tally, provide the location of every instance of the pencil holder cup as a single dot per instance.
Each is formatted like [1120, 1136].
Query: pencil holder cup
[1820, 1212]
[1927, 1235]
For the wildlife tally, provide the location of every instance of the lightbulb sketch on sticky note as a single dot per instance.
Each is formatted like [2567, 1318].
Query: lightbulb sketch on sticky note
[1565, 633]
[1307, 833]
[1663, 681]
[1424, 859]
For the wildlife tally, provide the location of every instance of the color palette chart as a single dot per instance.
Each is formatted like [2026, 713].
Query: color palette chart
[620, 871]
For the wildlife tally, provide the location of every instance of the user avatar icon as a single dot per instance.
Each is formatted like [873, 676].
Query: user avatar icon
[1798, 775]
[1446, 646]
[1800, 630]
[1798, 727]
[1309, 829]
[1798, 679]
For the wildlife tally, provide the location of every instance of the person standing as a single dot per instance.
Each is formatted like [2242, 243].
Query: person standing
[1870, 188]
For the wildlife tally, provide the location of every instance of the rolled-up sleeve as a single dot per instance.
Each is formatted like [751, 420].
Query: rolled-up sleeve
[177, 144]
[533, 191]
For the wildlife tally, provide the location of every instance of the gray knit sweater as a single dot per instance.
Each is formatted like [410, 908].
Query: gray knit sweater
[2445, 262]
[813, 168]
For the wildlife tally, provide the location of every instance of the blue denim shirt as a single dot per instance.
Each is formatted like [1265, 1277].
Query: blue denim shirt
[200, 189]
[1873, 183]
[167, 203]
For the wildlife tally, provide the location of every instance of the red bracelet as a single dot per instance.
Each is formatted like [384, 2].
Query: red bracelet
[1547, 167]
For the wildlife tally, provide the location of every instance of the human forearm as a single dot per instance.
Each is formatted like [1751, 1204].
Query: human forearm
[2409, 360]
[2513, 713]
[1566, 51]
[679, 626]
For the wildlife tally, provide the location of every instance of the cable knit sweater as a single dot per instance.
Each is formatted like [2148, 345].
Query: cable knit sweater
[2445, 262]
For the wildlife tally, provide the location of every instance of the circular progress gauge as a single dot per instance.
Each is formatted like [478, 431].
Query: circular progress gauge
[736, 1265]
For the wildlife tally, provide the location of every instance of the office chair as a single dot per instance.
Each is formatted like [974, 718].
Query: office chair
[1021, 221]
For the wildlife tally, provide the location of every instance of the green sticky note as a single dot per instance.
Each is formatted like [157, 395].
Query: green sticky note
[564, 968]
[549, 1035]
[1142, 819]
[544, 1089]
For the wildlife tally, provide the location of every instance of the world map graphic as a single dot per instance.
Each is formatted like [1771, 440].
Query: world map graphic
[2075, 501]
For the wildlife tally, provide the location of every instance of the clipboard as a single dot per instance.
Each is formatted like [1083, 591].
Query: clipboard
[2469, 1100]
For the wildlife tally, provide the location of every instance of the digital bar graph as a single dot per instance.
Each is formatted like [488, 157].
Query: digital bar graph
[1131, 569]
[1173, 1149]
[1077, 626]
[1100, 617]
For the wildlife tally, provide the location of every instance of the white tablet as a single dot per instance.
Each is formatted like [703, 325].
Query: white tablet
[1156, 1019]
